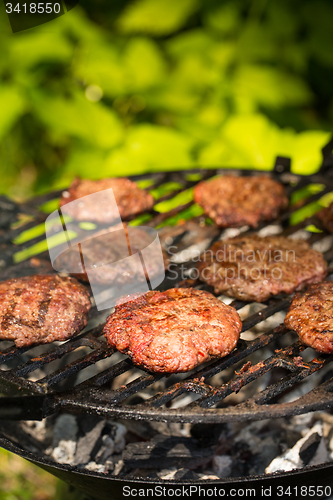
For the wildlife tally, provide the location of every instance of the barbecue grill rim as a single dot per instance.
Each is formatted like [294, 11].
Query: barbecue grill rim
[41, 461]
[317, 177]
[312, 472]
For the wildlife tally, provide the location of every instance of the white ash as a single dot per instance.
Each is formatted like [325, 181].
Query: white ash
[301, 234]
[65, 428]
[232, 232]
[192, 252]
[64, 439]
[92, 466]
[238, 449]
[324, 244]
[64, 453]
[294, 457]
[270, 230]
[222, 465]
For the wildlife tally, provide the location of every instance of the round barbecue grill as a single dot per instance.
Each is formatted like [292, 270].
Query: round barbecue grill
[31, 389]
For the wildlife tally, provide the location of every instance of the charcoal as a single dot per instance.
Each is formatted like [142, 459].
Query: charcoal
[105, 451]
[166, 451]
[313, 450]
[309, 448]
[207, 434]
[65, 429]
[87, 443]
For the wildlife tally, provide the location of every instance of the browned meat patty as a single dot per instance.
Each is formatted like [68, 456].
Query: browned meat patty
[130, 200]
[237, 201]
[43, 308]
[254, 268]
[311, 316]
[112, 247]
[173, 331]
[326, 217]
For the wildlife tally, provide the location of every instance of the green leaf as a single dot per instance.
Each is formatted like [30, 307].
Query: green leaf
[12, 105]
[29, 49]
[260, 85]
[195, 41]
[253, 141]
[224, 19]
[156, 17]
[143, 64]
[306, 151]
[101, 65]
[256, 43]
[245, 141]
[85, 161]
[78, 117]
[150, 148]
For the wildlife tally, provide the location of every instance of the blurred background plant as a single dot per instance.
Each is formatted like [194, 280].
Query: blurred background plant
[122, 87]
[131, 86]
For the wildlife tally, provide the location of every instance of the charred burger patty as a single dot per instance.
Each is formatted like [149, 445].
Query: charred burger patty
[254, 268]
[129, 197]
[43, 308]
[173, 331]
[237, 201]
[311, 316]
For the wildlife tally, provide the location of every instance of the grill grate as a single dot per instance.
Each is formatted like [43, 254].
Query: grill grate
[37, 382]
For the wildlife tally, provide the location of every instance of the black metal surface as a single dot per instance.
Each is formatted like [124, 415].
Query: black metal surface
[103, 487]
[54, 385]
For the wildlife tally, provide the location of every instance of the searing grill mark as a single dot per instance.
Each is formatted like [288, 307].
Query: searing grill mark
[95, 395]
[8, 317]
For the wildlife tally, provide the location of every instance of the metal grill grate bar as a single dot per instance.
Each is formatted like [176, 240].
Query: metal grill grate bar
[94, 394]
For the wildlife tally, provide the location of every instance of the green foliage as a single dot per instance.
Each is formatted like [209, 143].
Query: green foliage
[202, 82]
[156, 17]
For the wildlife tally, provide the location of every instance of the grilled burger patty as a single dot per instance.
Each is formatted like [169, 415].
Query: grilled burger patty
[173, 331]
[130, 200]
[254, 268]
[326, 217]
[237, 201]
[43, 308]
[311, 316]
[112, 247]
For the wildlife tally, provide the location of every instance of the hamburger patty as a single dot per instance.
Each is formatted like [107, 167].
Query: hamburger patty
[112, 247]
[130, 200]
[326, 217]
[311, 316]
[237, 201]
[254, 268]
[173, 331]
[43, 308]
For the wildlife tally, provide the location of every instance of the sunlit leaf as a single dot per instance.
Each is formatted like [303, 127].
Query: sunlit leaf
[12, 106]
[189, 42]
[78, 117]
[85, 161]
[101, 65]
[150, 148]
[306, 151]
[270, 86]
[156, 17]
[40, 47]
[143, 64]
